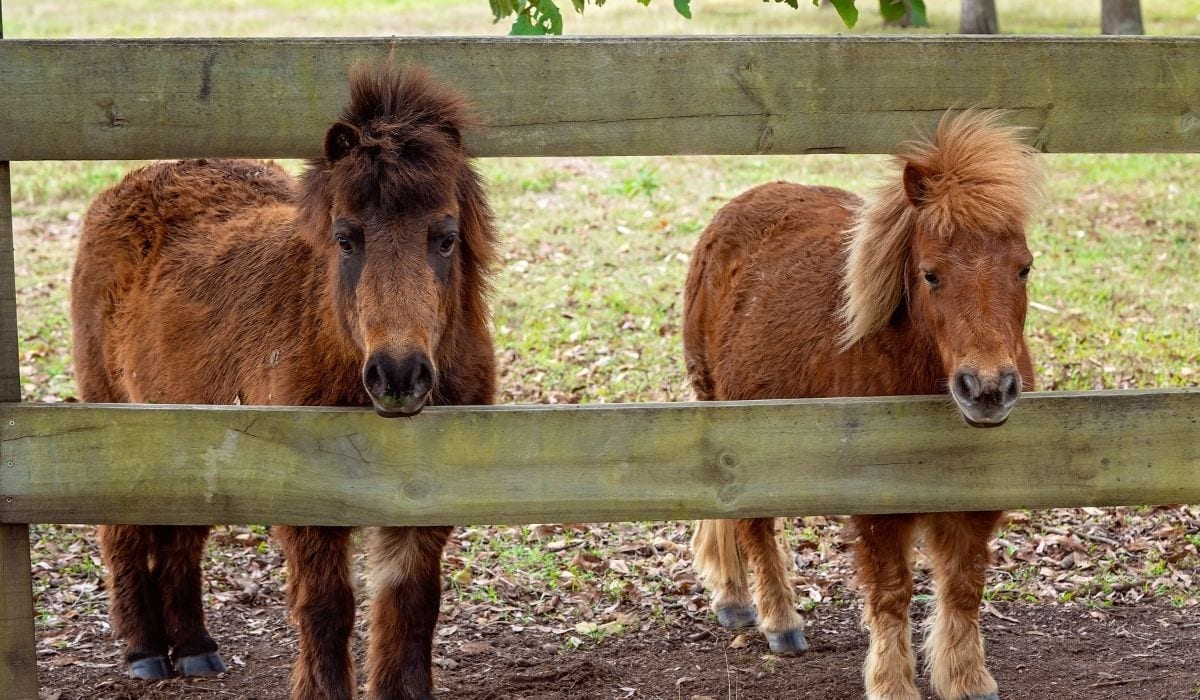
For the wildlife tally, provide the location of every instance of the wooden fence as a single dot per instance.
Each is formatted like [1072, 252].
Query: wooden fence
[546, 97]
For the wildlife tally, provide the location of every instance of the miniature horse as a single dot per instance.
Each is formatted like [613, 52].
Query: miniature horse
[801, 291]
[218, 281]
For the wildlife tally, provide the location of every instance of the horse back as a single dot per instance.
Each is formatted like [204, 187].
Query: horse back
[128, 228]
[765, 272]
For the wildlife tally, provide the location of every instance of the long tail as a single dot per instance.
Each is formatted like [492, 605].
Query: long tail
[716, 557]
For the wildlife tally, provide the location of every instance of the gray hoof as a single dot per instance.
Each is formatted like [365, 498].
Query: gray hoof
[209, 664]
[787, 642]
[737, 618]
[151, 668]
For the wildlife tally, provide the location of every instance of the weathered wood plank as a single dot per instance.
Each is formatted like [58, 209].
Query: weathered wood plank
[18, 650]
[85, 99]
[597, 463]
[10, 361]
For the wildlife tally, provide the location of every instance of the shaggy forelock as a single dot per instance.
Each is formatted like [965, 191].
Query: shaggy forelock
[409, 155]
[979, 179]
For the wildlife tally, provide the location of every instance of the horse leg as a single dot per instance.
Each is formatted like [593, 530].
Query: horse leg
[723, 570]
[883, 559]
[321, 603]
[777, 616]
[406, 564]
[134, 600]
[958, 549]
[177, 572]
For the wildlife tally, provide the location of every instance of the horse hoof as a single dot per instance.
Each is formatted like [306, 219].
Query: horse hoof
[151, 668]
[209, 664]
[787, 642]
[736, 618]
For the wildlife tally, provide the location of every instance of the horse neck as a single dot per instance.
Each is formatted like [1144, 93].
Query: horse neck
[909, 349]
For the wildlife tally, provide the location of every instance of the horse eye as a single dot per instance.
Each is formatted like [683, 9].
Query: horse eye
[1025, 274]
[446, 247]
[932, 279]
[344, 243]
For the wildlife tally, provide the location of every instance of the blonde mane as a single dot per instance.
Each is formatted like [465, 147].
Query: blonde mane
[977, 176]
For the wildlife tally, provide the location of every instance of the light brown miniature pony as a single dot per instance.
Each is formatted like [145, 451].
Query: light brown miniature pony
[219, 281]
[801, 291]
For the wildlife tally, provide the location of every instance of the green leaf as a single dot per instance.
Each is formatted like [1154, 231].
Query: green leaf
[579, 4]
[684, 8]
[916, 13]
[501, 9]
[847, 11]
[645, 2]
[892, 10]
[548, 16]
[524, 27]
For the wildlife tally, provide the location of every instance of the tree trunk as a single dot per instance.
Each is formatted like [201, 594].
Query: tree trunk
[979, 17]
[1120, 17]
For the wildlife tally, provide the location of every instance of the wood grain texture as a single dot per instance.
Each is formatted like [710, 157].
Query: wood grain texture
[152, 464]
[18, 648]
[18, 651]
[87, 99]
[10, 361]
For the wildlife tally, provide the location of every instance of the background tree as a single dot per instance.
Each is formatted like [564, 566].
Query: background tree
[1120, 17]
[979, 17]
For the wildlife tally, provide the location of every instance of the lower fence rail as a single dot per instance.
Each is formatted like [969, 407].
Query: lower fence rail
[518, 464]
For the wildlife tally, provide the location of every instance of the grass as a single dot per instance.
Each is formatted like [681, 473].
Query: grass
[595, 250]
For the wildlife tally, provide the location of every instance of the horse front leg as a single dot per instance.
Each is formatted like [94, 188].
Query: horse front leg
[406, 565]
[773, 595]
[321, 603]
[177, 572]
[721, 567]
[958, 549]
[134, 602]
[883, 559]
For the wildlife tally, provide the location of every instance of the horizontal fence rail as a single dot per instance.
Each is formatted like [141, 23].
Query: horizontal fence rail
[173, 465]
[133, 99]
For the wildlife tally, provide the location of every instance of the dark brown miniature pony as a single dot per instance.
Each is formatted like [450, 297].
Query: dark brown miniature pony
[808, 292]
[218, 281]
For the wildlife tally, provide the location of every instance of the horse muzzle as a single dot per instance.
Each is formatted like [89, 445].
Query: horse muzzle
[398, 388]
[985, 400]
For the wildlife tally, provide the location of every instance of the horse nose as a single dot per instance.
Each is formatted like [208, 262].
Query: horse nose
[985, 400]
[398, 387]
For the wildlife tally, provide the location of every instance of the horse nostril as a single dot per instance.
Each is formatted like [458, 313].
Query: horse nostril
[1010, 386]
[375, 377]
[967, 386]
[418, 371]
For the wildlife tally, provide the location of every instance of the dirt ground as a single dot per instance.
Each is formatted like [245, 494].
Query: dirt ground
[1036, 651]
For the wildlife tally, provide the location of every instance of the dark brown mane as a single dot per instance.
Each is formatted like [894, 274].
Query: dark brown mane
[410, 144]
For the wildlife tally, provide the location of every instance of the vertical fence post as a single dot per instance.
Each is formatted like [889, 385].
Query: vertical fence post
[18, 650]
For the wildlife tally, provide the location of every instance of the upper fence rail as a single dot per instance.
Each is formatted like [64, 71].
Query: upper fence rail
[134, 99]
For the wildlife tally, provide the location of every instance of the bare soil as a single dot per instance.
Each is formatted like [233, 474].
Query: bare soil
[1036, 651]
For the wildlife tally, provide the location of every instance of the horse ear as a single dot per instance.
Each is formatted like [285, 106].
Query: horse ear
[454, 134]
[915, 183]
[341, 138]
